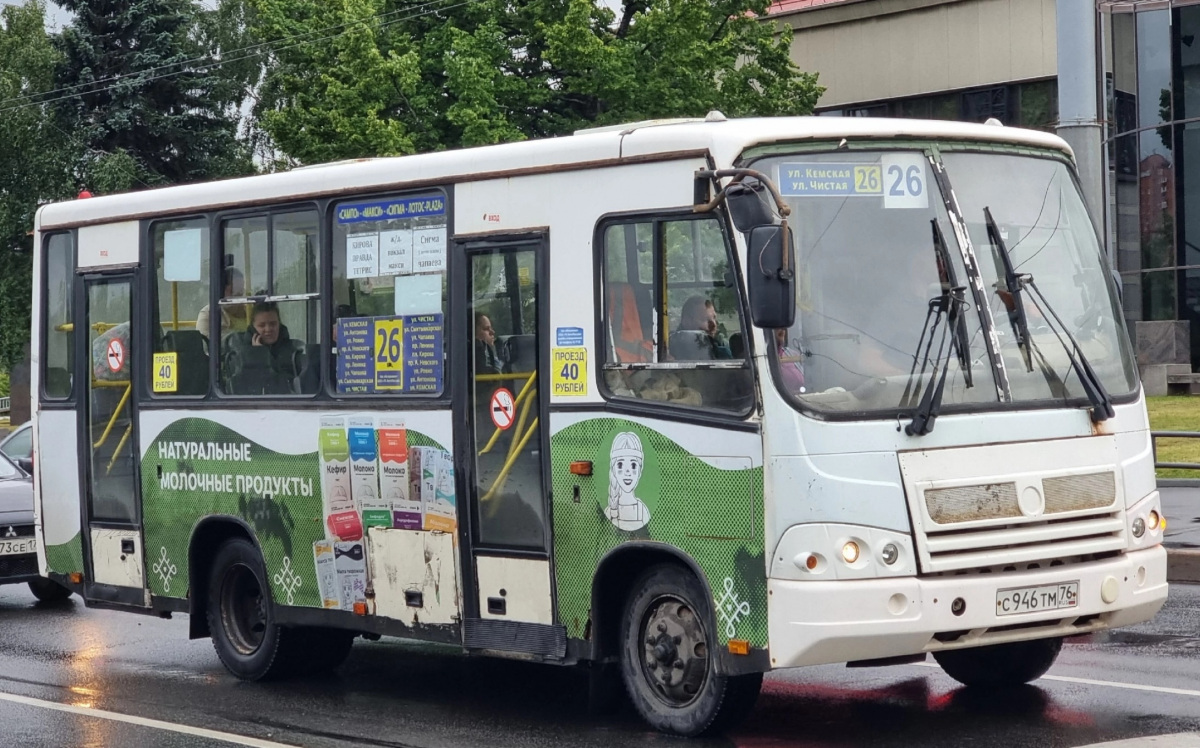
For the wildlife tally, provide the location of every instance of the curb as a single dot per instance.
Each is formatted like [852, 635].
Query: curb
[1176, 740]
[1183, 565]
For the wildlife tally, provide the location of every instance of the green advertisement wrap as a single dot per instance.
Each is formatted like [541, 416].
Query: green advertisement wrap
[67, 557]
[645, 486]
[196, 468]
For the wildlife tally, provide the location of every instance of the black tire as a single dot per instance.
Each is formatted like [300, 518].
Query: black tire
[1000, 665]
[48, 590]
[241, 616]
[667, 629]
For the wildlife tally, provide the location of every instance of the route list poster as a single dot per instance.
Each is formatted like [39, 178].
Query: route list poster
[389, 354]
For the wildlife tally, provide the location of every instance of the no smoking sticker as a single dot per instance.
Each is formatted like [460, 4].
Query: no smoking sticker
[502, 408]
[115, 355]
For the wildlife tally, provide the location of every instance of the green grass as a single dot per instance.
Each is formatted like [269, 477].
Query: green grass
[1176, 413]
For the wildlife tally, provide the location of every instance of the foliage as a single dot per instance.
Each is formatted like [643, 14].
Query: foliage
[34, 162]
[143, 113]
[358, 78]
[1176, 413]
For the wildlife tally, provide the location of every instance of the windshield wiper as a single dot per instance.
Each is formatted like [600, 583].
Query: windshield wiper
[950, 304]
[1012, 284]
[1097, 395]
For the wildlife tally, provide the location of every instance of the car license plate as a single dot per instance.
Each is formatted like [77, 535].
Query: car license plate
[17, 547]
[1033, 599]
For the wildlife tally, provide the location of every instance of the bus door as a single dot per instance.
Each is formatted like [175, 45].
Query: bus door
[113, 553]
[508, 603]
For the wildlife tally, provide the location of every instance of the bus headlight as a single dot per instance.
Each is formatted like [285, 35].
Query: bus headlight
[850, 552]
[1139, 527]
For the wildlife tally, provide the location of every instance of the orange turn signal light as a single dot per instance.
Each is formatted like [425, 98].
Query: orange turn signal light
[76, 577]
[360, 608]
[739, 647]
[581, 467]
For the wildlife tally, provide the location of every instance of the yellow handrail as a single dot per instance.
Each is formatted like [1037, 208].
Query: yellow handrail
[529, 377]
[112, 421]
[499, 482]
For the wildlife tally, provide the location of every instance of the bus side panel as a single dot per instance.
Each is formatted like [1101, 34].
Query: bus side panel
[286, 475]
[58, 491]
[708, 506]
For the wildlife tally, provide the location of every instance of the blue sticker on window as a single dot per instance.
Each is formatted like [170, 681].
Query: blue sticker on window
[391, 210]
[569, 336]
[400, 354]
[817, 179]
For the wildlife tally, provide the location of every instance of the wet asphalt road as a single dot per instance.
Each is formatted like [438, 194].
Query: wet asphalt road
[1138, 682]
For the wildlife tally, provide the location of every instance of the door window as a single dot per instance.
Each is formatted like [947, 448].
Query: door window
[112, 493]
[506, 397]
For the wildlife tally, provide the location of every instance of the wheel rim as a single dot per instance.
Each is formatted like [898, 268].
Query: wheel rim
[243, 609]
[674, 650]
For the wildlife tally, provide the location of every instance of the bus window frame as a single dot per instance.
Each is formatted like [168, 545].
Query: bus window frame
[653, 408]
[47, 400]
[217, 291]
[149, 285]
[329, 217]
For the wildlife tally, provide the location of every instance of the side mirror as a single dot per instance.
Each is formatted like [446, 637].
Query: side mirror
[25, 463]
[771, 281]
[749, 205]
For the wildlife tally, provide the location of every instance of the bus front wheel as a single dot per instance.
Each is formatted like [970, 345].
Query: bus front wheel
[668, 657]
[1011, 664]
[240, 615]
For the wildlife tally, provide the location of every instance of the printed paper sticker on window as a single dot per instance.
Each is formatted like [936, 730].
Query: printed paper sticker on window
[181, 255]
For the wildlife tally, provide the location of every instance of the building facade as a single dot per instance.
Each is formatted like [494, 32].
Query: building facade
[976, 59]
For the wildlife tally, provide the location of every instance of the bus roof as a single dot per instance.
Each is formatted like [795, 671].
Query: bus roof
[606, 146]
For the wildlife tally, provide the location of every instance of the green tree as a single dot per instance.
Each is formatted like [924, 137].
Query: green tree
[145, 112]
[354, 78]
[35, 162]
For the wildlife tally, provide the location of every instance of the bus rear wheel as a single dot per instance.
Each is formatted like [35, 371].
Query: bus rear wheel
[668, 659]
[998, 665]
[241, 616]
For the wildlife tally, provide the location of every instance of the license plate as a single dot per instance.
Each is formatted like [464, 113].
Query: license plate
[1033, 599]
[17, 547]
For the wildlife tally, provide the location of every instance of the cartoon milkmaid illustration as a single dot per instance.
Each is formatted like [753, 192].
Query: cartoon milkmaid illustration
[625, 510]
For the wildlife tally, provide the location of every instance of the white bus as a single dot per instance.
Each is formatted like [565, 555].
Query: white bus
[688, 401]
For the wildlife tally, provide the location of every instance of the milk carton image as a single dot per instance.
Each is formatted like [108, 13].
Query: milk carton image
[328, 586]
[364, 473]
[341, 514]
[440, 513]
[393, 475]
[351, 563]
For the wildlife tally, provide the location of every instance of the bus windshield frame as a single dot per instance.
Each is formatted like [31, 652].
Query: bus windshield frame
[868, 340]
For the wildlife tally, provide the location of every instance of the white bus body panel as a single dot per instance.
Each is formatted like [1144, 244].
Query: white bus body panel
[523, 583]
[108, 244]
[111, 564]
[405, 561]
[57, 508]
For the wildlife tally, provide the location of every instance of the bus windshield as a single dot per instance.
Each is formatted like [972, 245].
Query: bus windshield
[879, 258]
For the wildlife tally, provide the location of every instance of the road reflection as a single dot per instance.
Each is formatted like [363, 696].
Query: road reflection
[910, 711]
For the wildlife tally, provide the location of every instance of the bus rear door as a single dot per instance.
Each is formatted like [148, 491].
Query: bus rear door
[113, 552]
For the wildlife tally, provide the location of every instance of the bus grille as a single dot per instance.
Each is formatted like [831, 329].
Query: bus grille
[976, 526]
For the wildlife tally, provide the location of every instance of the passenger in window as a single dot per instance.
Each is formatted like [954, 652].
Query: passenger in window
[697, 338]
[262, 360]
[233, 317]
[487, 360]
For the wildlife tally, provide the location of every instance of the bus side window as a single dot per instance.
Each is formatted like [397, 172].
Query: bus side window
[182, 260]
[685, 347]
[57, 326]
[271, 346]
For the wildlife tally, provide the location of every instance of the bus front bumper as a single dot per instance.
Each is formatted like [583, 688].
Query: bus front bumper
[814, 623]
